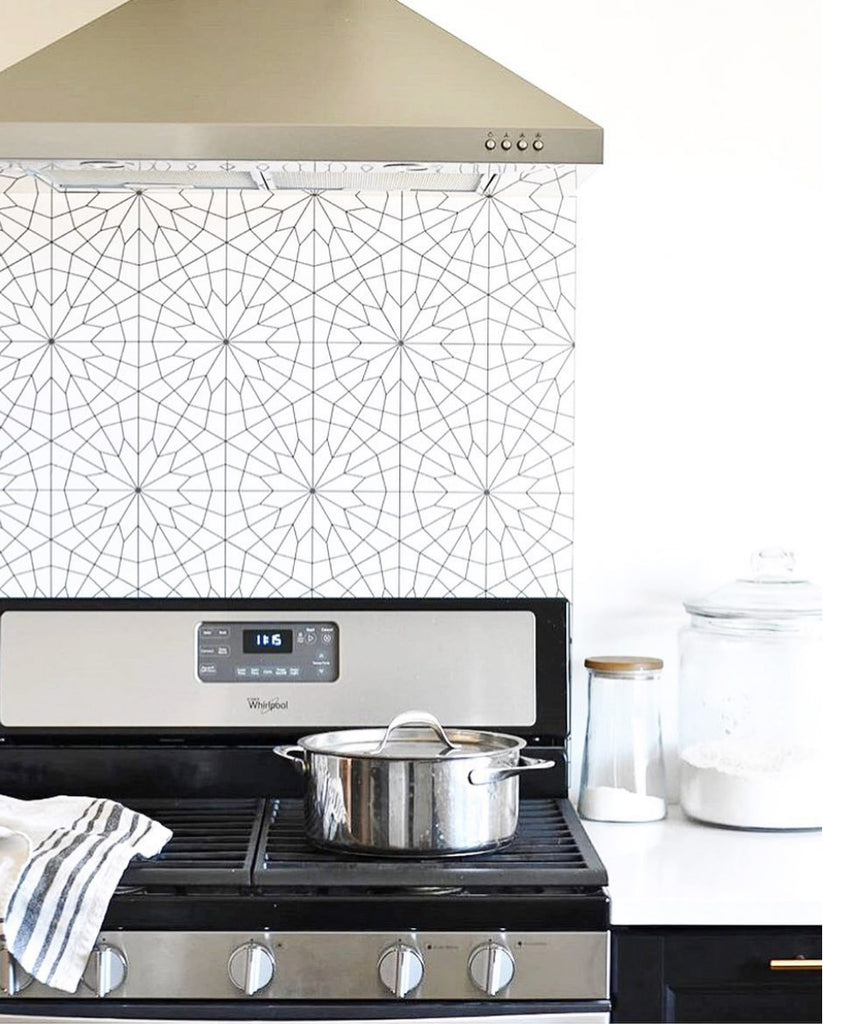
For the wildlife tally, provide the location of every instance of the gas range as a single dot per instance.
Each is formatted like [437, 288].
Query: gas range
[240, 917]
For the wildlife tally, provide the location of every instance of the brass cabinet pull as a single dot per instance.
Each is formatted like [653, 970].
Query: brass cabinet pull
[798, 963]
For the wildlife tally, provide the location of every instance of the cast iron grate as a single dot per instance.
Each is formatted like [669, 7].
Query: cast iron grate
[549, 848]
[214, 842]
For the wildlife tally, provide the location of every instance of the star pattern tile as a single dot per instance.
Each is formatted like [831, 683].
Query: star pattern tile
[228, 393]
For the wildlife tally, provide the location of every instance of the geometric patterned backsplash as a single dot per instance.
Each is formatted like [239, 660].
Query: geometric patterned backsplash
[227, 393]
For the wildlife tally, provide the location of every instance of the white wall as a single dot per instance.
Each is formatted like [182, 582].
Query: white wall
[700, 354]
[30, 24]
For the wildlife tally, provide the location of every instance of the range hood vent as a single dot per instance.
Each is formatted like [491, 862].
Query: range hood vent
[278, 80]
[379, 181]
[123, 177]
[126, 176]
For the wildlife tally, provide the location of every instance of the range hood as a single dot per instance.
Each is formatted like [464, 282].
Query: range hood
[275, 94]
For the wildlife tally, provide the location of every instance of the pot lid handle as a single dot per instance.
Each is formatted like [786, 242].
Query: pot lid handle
[414, 718]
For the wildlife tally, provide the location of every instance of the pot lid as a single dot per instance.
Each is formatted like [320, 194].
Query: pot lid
[413, 735]
[771, 591]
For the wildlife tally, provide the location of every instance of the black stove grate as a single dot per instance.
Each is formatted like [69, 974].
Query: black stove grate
[214, 842]
[242, 842]
[550, 849]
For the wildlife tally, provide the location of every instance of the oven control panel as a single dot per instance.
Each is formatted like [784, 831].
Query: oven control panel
[267, 652]
[261, 666]
[473, 967]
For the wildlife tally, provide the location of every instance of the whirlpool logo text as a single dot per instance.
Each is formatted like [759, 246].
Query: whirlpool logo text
[264, 706]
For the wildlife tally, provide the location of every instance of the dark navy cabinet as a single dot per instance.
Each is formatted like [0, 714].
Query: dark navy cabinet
[717, 975]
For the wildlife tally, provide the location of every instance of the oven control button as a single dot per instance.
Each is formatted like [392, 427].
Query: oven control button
[491, 968]
[251, 967]
[13, 978]
[401, 969]
[106, 970]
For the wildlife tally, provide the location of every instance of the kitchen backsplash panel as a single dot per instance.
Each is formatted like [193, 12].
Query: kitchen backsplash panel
[285, 394]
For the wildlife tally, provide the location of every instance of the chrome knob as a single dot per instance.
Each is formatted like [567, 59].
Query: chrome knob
[105, 971]
[13, 978]
[251, 967]
[491, 967]
[401, 969]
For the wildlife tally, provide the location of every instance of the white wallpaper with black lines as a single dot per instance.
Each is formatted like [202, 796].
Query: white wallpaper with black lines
[227, 393]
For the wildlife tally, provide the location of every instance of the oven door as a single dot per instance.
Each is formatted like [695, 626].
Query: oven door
[590, 1012]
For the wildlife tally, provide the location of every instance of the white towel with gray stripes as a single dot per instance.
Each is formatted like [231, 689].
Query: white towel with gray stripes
[61, 860]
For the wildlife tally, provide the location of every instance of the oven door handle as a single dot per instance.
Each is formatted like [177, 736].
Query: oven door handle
[16, 1018]
[584, 1016]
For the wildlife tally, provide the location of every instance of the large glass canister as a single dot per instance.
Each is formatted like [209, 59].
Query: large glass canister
[750, 701]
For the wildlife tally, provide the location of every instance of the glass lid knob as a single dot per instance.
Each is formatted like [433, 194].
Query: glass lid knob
[773, 564]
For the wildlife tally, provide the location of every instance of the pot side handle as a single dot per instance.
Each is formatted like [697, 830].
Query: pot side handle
[483, 776]
[295, 754]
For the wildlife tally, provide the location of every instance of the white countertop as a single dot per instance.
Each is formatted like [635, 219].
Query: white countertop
[679, 872]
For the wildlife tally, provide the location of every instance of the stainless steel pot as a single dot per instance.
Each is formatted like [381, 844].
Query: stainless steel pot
[412, 789]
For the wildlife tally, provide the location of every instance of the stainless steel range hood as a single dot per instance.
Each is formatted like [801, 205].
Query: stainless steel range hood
[277, 80]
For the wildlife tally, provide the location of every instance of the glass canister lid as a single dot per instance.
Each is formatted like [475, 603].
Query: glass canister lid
[771, 591]
[623, 665]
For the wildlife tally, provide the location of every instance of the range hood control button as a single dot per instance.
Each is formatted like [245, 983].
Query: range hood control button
[521, 144]
[106, 970]
[251, 967]
[401, 969]
[538, 145]
[490, 143]
[506, 144]
[491, 967]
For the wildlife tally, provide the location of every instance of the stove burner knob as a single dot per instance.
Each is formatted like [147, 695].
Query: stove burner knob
[106, 970]
[401, 969]
[251, 967]
[13, 978]
[491, 967]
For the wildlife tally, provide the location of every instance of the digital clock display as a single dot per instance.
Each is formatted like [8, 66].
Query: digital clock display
[268, 640]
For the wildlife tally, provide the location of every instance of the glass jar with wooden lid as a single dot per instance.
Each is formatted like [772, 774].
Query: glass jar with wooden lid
[623, 775]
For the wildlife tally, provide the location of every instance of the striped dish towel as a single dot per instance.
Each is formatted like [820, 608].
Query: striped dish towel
[60, 862]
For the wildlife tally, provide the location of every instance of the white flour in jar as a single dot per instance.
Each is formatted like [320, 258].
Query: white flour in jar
[614, 803]
[727, 782]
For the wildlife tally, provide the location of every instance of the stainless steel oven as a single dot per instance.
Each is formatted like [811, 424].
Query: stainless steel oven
[173, 707]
